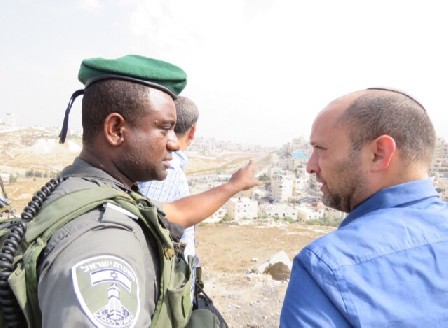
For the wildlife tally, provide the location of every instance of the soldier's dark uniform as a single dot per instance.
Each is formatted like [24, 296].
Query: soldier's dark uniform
[105, 258]
[107, 241]
[100, 269]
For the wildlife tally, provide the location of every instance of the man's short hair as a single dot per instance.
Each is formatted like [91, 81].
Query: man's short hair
[112, 96]
[379, 112]
[187, 115]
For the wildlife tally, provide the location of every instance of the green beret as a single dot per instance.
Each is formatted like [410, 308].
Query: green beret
[147, 71]
[152, 72]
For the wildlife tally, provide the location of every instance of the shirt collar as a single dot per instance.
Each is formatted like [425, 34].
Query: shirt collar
[181, 157]
[394, 196]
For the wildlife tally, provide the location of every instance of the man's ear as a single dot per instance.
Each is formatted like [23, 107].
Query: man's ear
[113, 128]
[383, 151]
[192, 132]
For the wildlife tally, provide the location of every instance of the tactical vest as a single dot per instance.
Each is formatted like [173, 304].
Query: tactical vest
[173, 308]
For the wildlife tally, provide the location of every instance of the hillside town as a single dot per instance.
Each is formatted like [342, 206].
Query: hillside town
[287, 191]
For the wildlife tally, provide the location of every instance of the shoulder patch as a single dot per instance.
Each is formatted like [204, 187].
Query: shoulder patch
[107, 290]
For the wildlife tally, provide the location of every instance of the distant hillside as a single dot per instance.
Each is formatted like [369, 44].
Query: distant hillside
[33, 148]
[39, 149]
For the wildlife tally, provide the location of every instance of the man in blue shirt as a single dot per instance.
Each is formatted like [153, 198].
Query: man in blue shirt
[386, 265]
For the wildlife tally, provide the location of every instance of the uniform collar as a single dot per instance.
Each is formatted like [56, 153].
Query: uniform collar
[82, 169]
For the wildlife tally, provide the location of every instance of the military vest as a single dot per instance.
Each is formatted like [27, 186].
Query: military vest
[173, 308]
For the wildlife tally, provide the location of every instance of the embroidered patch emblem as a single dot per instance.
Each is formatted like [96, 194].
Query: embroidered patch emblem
[107, 290]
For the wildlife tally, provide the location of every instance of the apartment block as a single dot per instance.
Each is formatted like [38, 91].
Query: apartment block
[241, 208]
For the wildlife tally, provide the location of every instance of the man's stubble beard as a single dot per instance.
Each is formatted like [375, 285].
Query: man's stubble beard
[342, 196]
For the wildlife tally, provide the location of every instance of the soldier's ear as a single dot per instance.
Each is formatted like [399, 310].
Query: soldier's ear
[113, 129]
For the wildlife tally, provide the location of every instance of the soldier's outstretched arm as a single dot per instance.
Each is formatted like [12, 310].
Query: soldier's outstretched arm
[193, 209]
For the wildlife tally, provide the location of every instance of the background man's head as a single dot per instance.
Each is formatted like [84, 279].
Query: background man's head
[187, 117]
[369, 140]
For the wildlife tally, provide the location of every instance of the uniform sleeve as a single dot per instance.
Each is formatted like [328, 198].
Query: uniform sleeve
[306, 304]
[102, 276]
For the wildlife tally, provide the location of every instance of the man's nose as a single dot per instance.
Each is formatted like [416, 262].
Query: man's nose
[311, 166]
[172, 144]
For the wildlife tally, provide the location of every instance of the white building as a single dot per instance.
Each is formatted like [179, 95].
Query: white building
[282, 184]
[279, 211]
[259, 193]
[217, 216]
[300, 185]
[297, 160]
[306, 213]
[273, 170]
[275, 159]
[241, 208]
[319, 211]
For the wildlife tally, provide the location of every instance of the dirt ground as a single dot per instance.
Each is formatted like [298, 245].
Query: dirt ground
[228, 253]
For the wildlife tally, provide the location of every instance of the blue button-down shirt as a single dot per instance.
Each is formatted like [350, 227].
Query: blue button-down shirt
[385, 266]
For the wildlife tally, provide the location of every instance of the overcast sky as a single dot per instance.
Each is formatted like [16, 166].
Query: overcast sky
[259, 70]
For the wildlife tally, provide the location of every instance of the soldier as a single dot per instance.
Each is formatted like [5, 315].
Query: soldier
[102, 268]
